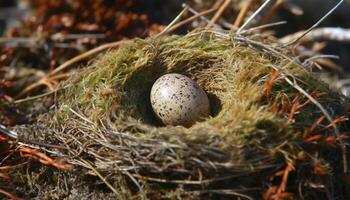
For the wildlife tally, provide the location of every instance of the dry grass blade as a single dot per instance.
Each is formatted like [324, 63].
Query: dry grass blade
[219, 13]
[275, 7]
[88, 165]
[84, 56]
[177, 18]
[313, 26]
[26, 142]
[249, 20]
[243, 12]
[66, 65]
[188, 20]
[43, 158]
[32, 98]
[251, 30]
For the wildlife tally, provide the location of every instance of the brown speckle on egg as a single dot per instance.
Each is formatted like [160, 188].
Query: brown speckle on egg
[178, 100]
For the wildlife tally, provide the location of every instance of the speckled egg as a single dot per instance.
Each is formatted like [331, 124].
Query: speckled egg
[178, 100]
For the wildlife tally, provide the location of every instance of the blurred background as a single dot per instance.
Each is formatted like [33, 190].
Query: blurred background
[39, 35]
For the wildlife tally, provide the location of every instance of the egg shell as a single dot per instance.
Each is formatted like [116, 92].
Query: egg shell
[178, 100]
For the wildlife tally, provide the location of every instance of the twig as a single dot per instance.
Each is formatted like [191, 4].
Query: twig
[159, 180]
[253, 16]
[43, 158]
[189, 182]
[193, 11]
[263, 27]
[317, 57]
[243, 12]
[275, 7]
[78, 115]
[32, 98]
[173, 22]
[85, 55]
[67, 64]
[313, 26]
[218, 13]
[29, 88]
[190, 19]
[14, 135]
[100, 176]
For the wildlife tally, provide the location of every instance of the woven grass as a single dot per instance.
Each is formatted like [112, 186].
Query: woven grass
[260, 124]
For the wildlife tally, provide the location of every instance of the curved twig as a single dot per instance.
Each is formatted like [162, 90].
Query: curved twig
[68, 64]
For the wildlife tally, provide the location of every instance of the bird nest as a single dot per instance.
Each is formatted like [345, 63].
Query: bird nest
[275, 130]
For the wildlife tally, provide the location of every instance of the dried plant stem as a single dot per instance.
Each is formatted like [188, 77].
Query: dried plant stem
[243, 12]
[253, 16]
[276, 6]
[190, 19]
[32, 98]
[313, 26]
[88, 165]
[263, 27]
[45, 80]
[219, 13]
[14, 135]
[85, 55]
[193, 11]
[43, 158]
[177, 18]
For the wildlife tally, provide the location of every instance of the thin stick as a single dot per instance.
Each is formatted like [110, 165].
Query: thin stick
[276, 6]
[67, 64]
[190, 19]
[173, 22]
[193, 11]
[243, 12]
[253, 16]
[263, 27]
[85, 55]
[314, 26]
[316, 57]
[218, 13]
[100, 176]
[32, 98]
[29, 88]
[14, 135]
[187, 182]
